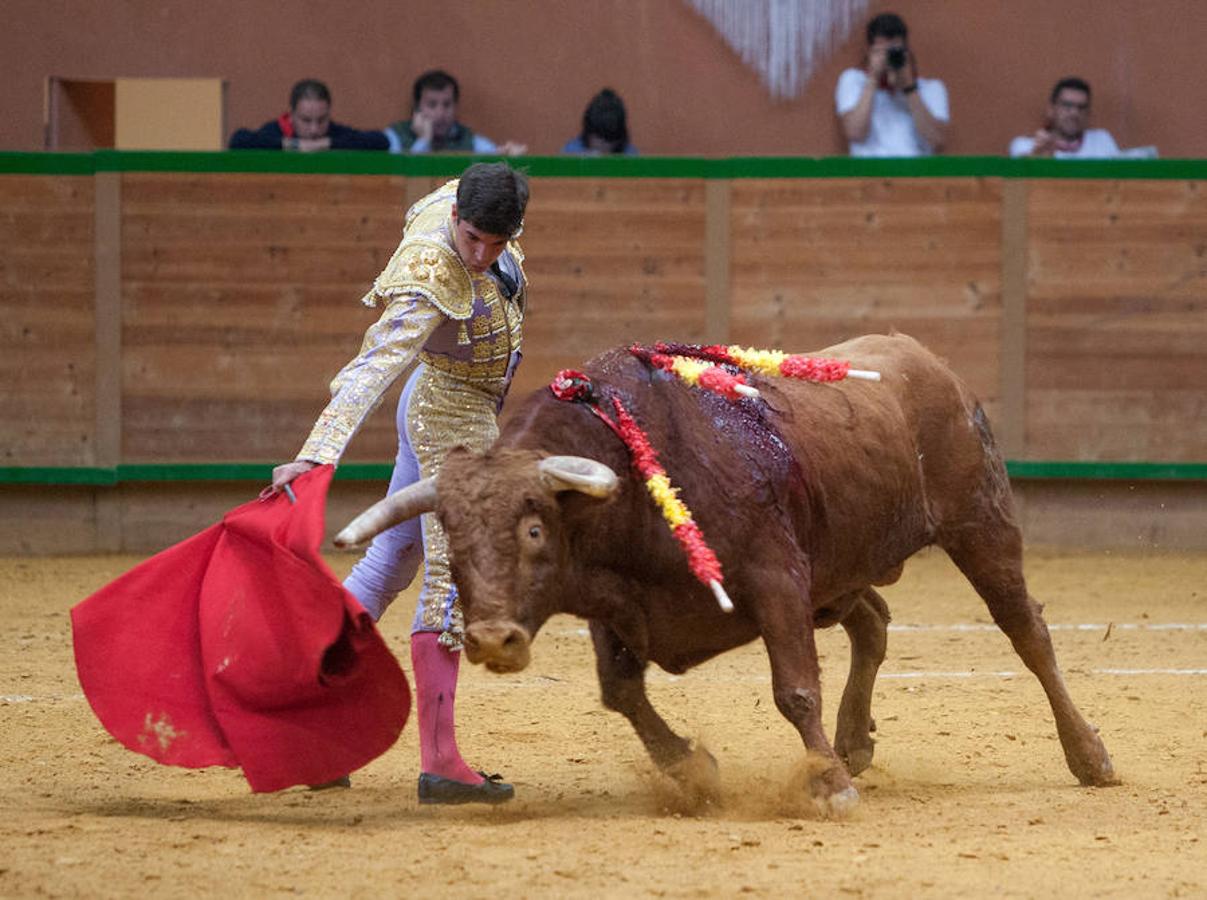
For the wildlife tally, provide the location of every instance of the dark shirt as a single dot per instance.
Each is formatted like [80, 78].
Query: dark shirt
[270, 135]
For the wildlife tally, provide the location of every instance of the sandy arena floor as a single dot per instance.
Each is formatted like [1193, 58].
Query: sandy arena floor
[968, 795]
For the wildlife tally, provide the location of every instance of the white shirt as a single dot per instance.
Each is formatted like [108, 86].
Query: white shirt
[1096, 143]
[891, 130]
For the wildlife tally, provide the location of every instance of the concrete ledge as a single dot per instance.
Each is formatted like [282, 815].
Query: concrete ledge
[133, 517]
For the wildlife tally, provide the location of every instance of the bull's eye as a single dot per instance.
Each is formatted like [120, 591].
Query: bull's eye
[534, 532]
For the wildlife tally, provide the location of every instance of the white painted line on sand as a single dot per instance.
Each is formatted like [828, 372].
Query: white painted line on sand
[948, 675]
[981, 626]
[1068, 626]
[654, 675]
[1150, 671]
[1007, 674]
[28, 698]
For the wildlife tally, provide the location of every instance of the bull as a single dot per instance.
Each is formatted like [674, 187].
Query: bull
[811, 496]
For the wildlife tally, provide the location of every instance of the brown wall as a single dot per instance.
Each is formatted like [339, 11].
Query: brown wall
[527, 67]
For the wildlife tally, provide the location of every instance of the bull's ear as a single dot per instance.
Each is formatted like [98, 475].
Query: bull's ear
[577, 473]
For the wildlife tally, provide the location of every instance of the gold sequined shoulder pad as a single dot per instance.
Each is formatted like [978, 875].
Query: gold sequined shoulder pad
[431, 270]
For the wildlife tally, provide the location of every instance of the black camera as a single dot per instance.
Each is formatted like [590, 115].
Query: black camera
[896, 57]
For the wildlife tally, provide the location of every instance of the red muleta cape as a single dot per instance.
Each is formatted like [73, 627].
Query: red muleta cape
[238, 647]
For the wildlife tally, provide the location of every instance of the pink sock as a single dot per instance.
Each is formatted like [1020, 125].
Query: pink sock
[435, 693]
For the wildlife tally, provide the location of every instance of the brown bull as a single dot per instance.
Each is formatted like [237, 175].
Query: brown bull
[809, 495]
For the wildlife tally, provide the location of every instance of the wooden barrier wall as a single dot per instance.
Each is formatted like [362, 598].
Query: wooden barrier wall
[197, 317]
[237, 297]
[815, 262]
[1116, 364]
[47, 323]
[240, 302]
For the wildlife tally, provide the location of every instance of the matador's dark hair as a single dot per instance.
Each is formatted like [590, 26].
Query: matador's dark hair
[492, 197]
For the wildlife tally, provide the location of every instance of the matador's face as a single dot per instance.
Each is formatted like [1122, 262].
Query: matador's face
[478, 249]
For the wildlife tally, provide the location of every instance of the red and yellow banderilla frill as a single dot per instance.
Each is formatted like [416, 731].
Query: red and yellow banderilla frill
[703, 367]
[697, 372]
[575, 386]
[768, 362]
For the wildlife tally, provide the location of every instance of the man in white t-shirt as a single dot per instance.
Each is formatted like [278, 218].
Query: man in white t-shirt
[885, 108]
[1064, 135]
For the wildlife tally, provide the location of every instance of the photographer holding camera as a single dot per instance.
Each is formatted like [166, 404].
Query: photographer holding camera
[885, 108]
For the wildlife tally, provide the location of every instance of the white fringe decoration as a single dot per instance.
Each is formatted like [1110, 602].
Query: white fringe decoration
[782, 40]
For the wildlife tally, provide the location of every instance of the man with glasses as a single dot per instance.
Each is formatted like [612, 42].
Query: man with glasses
[1064, 134]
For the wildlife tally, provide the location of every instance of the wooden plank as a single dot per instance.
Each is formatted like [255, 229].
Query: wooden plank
[242, 296]
[1143, 516]
[1117, 321]
[181, 192]
[818, 261]
[107, 323]
[716, 263]
[611, 261]
[1121, 424]
[107, 318]
[46, 321]
[1012, 425]
[47, 520]
[416, 189]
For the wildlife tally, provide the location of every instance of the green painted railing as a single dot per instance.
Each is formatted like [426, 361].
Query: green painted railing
[149, 473]
[374, 163]
[262, 472]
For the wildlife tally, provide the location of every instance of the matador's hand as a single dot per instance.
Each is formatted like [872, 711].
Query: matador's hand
[286, 473]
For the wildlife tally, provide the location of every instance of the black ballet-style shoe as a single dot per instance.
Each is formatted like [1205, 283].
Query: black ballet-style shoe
[434, 789]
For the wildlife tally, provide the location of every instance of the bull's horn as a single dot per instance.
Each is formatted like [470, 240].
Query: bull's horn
[407, 503]
[577, 473]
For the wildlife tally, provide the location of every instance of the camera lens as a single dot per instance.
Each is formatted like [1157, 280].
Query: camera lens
[896, 57]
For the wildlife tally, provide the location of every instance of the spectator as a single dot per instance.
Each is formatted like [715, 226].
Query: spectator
[433, 126]
[885, 108]
[605, 127]
[307, 126]
[1064, 135]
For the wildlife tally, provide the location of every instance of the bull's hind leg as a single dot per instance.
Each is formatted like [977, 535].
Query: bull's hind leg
[989, 553]
[866, 626]
[622, 688]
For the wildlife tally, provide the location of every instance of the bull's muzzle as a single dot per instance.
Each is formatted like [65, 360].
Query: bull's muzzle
[501, 646]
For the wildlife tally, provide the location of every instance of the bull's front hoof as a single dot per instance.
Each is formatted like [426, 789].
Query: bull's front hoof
[1093, 768]
[820, 784]
[837, 806]
[699, 777]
